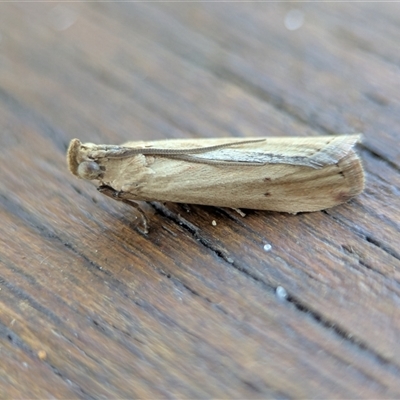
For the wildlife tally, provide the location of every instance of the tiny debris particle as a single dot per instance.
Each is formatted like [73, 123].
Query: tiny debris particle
[281, 293]
[267, 247]
[42, 354]
[214, 223]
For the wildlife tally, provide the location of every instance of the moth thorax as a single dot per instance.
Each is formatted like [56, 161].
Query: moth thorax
[89, 170]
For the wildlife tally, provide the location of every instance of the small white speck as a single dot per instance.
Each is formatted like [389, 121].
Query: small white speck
[25, 364]
[294, 19]
[267, 247]
[281, 293]
[214, 222]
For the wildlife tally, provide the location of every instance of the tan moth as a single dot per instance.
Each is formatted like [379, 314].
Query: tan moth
[278, 174]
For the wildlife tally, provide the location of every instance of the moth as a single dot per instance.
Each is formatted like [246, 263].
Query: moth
[288, 174]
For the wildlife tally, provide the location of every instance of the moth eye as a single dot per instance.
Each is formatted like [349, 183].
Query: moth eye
[89, 170]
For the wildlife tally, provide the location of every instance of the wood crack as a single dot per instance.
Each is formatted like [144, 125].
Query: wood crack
[341, 332]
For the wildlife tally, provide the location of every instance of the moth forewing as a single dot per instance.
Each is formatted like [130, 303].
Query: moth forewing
[277, 174]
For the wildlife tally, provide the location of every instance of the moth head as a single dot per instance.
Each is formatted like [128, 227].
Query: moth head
[79, 164]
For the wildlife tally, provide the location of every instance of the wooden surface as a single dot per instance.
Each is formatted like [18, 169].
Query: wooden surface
[90, 308]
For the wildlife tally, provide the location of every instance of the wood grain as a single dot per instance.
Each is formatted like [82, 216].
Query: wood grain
[191, 311]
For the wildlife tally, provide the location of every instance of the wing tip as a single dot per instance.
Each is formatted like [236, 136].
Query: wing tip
[353, 171]
[336, 149]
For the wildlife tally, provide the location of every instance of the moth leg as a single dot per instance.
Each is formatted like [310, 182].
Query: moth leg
[124, 197]
[239, 211]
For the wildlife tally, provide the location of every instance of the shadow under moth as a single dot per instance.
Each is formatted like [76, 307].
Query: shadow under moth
[278, 174]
